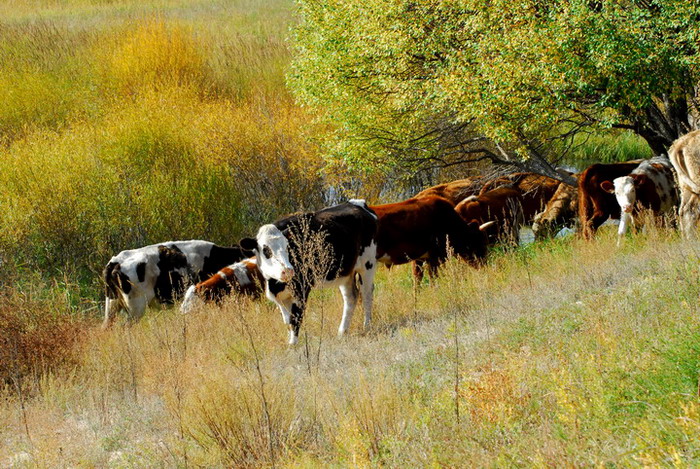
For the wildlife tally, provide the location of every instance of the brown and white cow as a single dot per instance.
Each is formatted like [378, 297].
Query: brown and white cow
[242, 278]
[419, 229]
[561, 210]
[454, 191]
[596, 205]
[332, 247]
[685, 157]
[651, 186]
[160, 272]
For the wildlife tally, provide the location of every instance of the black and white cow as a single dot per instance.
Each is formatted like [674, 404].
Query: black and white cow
[136, 277]
[332, 247]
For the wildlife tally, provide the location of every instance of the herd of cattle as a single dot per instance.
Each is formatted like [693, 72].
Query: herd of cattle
[342, 245]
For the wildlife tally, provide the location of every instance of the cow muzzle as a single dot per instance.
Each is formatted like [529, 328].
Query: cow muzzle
[627, 209]
[287, 275]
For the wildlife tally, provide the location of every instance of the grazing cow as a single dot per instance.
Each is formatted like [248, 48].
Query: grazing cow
[560, 210]
[419, 229]
[511, 206]
[243, 278]
[651, 185]
[332, 247]
[595, 205]
[685, 157]
[136, 277]
[454, 191]
[523, 181]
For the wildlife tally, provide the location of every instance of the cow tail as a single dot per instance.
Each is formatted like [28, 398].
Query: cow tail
[111, 273]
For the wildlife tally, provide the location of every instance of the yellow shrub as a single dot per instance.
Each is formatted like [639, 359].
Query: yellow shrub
[156, 54]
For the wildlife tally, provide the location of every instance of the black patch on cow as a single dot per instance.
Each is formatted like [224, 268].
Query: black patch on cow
[115, 280]
[170, 283]
[218, 258]
[141, 271]
[275, 286]
[368, 265]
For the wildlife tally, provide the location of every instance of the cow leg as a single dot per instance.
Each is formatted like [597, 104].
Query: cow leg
[433, 265]
[688, 213]
[298, 307]
[285, 307]
[625, 222]
[367, 290]
[136, 307]
[111, 309]
[418, 271]
[349, 292]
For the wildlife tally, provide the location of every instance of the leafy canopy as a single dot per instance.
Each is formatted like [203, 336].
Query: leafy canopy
[434, 82]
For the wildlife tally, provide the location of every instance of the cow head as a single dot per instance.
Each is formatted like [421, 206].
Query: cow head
[271, 247]
[474, 246]
[625, 191]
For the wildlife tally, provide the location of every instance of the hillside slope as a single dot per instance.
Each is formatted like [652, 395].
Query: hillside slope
[564, 353]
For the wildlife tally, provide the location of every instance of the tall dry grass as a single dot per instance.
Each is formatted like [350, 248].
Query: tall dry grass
[570, 352]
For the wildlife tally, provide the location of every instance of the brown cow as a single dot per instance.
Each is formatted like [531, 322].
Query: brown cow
[420, 229]
[595, 204]
[525, 181]
[454, 191]
[510, 206]
[243, 278]
[685, 157]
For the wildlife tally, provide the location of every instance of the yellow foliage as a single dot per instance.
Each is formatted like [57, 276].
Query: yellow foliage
[155, 54]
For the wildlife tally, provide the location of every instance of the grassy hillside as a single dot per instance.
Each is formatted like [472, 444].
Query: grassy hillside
[567, 353]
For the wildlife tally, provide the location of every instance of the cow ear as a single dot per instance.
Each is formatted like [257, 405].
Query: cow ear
[608, 186]
[249, 245]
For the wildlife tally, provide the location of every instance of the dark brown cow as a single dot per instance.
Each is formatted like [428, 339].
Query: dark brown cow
[243, 278]
[420, 229]
[455, 191]
[595, 204]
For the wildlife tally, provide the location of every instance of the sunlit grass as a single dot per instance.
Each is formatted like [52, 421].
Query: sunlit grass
[569, 352]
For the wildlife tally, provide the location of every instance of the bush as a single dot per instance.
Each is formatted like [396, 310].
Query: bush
[36, 336]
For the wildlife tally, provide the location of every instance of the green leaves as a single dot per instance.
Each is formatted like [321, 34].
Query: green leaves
[396, 78]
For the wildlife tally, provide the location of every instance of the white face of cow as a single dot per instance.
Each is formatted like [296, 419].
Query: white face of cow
[272, 253]
[625, 193]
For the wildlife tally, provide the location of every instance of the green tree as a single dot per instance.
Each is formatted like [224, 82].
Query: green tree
[428, 83]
